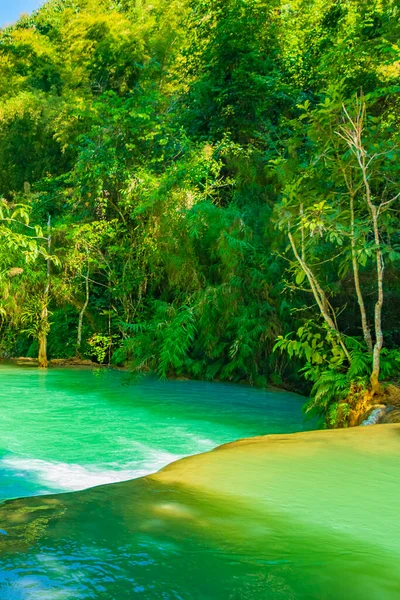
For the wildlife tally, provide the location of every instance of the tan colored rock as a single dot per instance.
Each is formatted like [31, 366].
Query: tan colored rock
[391, 416]
[392, 395]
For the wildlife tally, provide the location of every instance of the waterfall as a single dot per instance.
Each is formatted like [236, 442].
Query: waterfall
[374, 416]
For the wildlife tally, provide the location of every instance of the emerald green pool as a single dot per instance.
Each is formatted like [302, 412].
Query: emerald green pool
[310, 516]
[70, 429]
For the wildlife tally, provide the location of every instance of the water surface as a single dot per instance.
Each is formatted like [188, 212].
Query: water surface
[70, 429]
[312, 516]
[304, 516]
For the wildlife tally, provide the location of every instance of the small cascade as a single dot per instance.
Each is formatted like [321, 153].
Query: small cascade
[374, 416]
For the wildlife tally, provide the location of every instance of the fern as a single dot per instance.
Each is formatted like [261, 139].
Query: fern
[176, 341]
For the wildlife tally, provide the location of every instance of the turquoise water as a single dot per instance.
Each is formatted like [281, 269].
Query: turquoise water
[310, 516]
[70, 429]
[294, 520]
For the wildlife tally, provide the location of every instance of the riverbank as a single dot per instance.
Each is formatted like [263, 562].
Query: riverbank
[55, 362]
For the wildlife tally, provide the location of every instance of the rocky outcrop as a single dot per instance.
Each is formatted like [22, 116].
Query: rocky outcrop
[74, 362]
[386, 409]
[381, 414]
[392, 415]
[391, 395]
[374, 415]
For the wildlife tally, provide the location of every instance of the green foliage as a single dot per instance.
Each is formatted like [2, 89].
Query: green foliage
[31, 319]
[62, 335]
[153, 156]
[336, 386]
[163, 343]
[100, 346]
[318, 346]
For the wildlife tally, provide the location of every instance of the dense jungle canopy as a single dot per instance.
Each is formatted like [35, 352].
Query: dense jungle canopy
[205, 188]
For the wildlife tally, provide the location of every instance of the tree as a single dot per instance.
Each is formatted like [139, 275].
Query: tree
[22, 243]
[368, 164]
[166, 140]
[341, 205]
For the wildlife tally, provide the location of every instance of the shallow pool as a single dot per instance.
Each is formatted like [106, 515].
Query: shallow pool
[70, 429]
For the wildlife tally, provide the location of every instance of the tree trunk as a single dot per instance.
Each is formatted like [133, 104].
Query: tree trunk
[319, 296]
[360, 299]
[353, 137]
[44, 325]
[42, 339]
[376, 356]
[376, 361]
[82, 312]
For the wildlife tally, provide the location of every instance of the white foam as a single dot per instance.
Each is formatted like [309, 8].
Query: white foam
[56, 476]
[374, 416]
